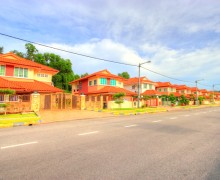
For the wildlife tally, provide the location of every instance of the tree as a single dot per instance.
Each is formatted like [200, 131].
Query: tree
[61, 79]
[183, 100]
[31, 51]
[124, 75]
[119, 98]
[172, 99]
[1, 50]
[20, 54]
[83, 75]
[200, 98]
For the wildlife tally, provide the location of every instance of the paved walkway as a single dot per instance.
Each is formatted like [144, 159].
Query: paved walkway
[69, 115]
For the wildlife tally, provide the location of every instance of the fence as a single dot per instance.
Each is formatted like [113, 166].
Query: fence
[16, 103]
[94, 102]
[59, 101]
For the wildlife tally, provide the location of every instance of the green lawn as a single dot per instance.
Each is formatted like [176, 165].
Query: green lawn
[135, 110]
[9, 119]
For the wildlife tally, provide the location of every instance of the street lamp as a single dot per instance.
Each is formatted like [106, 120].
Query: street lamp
[213, 86]
[197, 90]
[139, 73]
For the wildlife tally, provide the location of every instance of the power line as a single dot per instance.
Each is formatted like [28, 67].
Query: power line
[167, 76]
[205, 84]
[78, 54]
[92, 57]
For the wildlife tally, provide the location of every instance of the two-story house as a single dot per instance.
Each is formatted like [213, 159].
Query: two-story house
[25, 76]
[131, 84]
[183, 90]
[102, 83]
[166, 88]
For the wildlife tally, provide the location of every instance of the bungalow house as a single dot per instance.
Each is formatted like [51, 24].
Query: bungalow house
[24, 77]
[99, 88]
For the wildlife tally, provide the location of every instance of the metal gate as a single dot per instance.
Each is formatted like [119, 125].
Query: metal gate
[47, 102]
[74, 101]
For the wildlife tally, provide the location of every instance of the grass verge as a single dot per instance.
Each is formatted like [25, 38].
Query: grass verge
[10, 120]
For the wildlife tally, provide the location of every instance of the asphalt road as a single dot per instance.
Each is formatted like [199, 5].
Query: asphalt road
[174, 145]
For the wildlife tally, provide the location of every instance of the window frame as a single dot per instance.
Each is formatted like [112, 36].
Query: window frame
[103, 81]
[2, 70]
[112, 82]
[20, 72]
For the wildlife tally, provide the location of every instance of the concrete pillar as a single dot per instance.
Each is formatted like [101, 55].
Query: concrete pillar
[101, 102]
[35, 102]
[82, 102]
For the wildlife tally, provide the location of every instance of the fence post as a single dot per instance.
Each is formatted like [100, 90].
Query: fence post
[35, 102]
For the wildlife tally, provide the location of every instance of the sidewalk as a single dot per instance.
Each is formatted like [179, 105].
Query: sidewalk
[69, 115]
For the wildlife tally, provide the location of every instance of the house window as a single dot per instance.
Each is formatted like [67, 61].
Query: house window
[25, 98]
[21, 72]
[133, 87]
[145, 86]
[182, 91]
[13, 98]
[150, 86]
[80, 85]
[1, 97]
[90, 83]
[159, 90]
[113, 82]
[2, 70]
[165, 89]
[95, 82]
[103, 81]
[42, 75]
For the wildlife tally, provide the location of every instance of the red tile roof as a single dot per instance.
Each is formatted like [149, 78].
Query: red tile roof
[112, 90]
[134, 80]
[103, 73]
[28, 86]
[164, 84]
[5, 84]
[154, 92]
[151, 92]
[18, 61]
[181, 87]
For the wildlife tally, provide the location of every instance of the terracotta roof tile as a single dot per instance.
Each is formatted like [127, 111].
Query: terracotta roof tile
[151, 92]
[112, 89]
[31, 86]
[103, 73]
[134, 80]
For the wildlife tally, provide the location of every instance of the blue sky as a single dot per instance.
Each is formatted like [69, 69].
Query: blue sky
[181, 38]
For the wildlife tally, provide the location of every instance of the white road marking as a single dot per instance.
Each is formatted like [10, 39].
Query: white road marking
[83, 134]
[16, 145]
[173, 117]
[132, 125]
[157, 121]
[187, 115]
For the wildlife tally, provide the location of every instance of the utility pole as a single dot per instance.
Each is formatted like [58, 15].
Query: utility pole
[197, 90]
[139, 81]
[213, 93]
